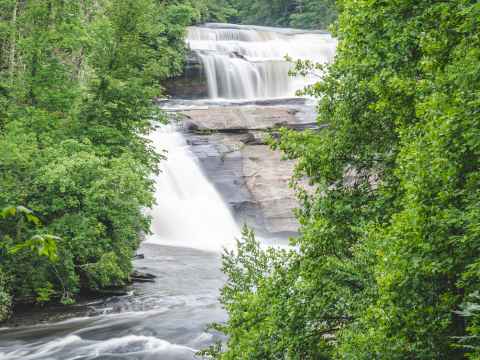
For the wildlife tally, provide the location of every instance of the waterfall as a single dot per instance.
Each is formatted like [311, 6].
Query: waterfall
[189, 211]
[242, 62]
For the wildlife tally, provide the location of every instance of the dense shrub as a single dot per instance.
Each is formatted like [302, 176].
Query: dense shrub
[77, 82]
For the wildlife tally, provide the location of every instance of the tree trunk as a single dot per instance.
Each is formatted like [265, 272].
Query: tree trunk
[13, 42]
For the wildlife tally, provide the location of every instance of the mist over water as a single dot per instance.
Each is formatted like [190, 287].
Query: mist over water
[242, 62]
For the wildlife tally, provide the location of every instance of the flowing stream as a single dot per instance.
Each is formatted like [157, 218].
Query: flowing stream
[192, 222]
[243, 62]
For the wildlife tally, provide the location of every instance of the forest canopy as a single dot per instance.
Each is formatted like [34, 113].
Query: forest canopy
[303, 14]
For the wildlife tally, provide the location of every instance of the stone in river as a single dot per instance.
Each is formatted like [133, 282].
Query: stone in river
[244, 118]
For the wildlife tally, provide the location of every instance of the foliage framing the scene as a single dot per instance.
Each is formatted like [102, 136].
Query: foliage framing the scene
[77, 83]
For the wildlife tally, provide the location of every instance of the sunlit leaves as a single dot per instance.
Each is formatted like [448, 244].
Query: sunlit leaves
[387, 263]
[13, 211]
[43, 245]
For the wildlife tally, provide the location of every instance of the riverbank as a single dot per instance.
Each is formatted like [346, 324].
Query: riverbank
[169, 317]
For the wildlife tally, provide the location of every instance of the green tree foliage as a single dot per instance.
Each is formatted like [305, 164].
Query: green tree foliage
[307, 14]
[387, 263]
[313, 14]
[213, 10]
[25, 235]
[77, 83]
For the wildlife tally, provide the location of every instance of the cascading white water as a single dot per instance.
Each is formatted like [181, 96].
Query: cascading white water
[240, 63]
[243, 62]
[190, 212]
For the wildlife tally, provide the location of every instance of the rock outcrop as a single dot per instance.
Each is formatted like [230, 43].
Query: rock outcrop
[192, 84]
[241, 119]
[253, 179]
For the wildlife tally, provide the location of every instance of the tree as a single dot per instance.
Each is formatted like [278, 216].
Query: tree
[387, 259]
[75, 106]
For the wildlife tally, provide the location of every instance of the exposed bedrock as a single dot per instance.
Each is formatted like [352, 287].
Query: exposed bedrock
[251, 177]
[241, 119]
[192, 84]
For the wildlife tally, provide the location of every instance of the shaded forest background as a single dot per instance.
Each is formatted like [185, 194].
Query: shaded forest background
[77, 83]
[304, 14]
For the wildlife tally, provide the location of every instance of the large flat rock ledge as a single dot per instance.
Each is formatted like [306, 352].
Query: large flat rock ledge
[250, 176]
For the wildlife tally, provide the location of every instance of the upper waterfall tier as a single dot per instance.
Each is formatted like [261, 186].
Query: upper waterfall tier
[243, 62]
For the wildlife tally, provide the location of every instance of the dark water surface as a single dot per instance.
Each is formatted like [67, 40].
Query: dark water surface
[161, 320]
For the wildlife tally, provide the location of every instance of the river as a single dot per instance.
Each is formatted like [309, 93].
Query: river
[209, 186]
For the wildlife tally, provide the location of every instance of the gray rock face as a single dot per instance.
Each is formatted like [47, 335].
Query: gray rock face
[267, 178]
[251, 177]
[248, 118]
[192, 84]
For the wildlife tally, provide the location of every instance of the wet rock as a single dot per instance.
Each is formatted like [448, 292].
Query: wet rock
[247, 139]
[241, 118]
[275, 102]
[239, 56]
[252, 178]
[251, 139]
[190, 126]
[112, 292]
[192, 84]
[187, 88]
[141, 277]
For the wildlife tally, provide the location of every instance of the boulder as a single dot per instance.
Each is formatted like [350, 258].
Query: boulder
[141, 277]
[241, 119]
